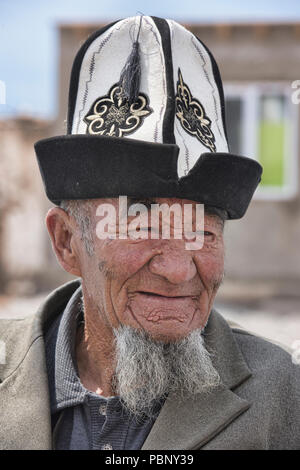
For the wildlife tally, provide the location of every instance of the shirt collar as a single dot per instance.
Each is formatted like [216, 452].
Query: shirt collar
[65, 387]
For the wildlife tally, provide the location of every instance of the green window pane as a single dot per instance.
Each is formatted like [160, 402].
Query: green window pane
[271, 140]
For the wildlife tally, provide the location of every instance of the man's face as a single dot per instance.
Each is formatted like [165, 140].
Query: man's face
[153, 284]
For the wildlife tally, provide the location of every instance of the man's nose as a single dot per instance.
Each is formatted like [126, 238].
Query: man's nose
[174, 264]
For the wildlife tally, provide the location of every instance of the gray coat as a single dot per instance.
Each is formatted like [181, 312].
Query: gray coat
[257, 406]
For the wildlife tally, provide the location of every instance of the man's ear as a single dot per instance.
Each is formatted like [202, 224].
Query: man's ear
[62, 234]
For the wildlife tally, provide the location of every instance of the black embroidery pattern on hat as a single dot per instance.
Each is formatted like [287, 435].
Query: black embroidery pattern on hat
[112, 115]
[192, 116]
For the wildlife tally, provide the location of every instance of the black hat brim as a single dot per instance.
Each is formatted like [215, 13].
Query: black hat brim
[91, 167]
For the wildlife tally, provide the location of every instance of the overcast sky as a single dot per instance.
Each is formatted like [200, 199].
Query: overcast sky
[28, 36]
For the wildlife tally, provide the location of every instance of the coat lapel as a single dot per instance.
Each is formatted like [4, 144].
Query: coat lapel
[191, 423]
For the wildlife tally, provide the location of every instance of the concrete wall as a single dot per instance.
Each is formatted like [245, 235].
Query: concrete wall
[26, 260]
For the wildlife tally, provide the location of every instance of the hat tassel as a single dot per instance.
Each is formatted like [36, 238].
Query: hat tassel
[131, 73]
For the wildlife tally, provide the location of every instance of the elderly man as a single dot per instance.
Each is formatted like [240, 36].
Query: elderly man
[133, 355]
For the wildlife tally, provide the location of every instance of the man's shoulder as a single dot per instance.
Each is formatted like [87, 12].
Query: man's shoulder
[15, 326]
[268, 360]
[17, 335]
[274, 384]
[53, 301]
[260, 350]
[251, 344]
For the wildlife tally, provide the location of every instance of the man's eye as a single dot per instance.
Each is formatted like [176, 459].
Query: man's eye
[209, 236]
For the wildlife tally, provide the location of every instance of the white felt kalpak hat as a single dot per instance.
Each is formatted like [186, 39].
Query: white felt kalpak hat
[146, 118]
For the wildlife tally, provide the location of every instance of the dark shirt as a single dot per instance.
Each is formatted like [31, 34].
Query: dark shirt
[82, 419]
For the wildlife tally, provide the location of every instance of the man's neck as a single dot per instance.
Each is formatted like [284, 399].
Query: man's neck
[95, 355]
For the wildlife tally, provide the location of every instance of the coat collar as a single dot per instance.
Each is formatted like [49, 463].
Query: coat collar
[225, 352]
[187, 424]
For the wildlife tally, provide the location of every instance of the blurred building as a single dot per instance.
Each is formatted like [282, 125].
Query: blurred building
[258, 63]
[27, 264]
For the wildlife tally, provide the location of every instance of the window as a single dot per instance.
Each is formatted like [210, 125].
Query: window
[262, 124]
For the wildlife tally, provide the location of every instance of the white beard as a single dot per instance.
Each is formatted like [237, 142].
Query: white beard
[148, 370]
